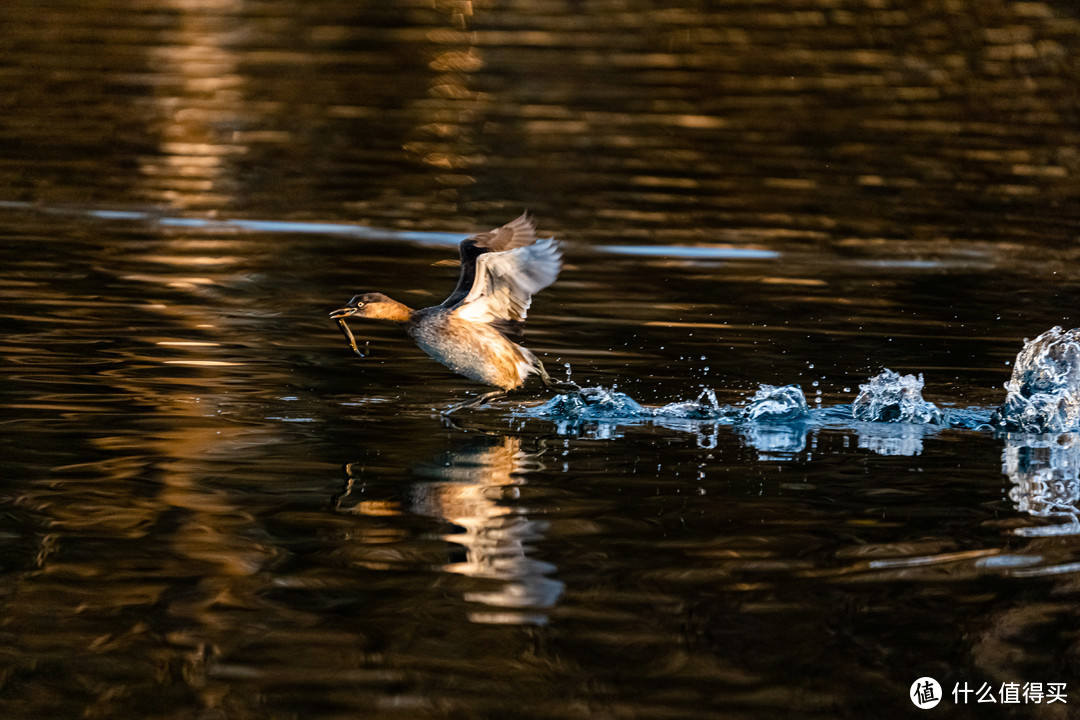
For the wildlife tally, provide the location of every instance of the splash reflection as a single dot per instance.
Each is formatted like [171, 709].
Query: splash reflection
[775, 441]
[899, 439]
[1046, 480]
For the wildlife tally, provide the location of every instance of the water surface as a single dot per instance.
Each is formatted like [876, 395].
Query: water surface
[211, 508]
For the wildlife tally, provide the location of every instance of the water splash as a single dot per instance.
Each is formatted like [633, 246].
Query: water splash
[893, 418]
[705, 407]
[1044, 390]
[777, 405]
[894, 398]
[774, 421]
[593, 403]
[770, 404]
[599, 412]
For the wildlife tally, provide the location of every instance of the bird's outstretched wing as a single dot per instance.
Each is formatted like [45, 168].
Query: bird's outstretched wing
[519, 232]
[506, 281]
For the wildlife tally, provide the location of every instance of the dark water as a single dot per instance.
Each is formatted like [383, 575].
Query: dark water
[211, 509]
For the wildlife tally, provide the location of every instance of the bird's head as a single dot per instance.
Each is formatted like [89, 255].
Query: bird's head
[375, 306]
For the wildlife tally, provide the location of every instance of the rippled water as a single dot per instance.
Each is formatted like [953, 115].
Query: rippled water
[212, 509]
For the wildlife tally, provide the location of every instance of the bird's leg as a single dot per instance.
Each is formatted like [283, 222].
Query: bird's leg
[474, 402]
[455, 425]
[552, 384]
[335, 501]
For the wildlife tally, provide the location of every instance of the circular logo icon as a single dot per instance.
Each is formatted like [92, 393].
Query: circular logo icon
[925, 693]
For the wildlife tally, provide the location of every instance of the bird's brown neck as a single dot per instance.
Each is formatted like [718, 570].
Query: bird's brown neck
[390, 310]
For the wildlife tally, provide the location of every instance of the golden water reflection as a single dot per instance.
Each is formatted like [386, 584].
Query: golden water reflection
[474, 486]
[180, 409]
[199, 105]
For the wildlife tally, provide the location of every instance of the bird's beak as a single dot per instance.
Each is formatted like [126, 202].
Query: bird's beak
[343, 312]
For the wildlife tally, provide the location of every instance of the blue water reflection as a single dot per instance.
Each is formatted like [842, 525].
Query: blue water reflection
[1045, 472]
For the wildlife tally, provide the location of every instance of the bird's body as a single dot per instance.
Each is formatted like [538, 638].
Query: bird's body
[471, 331]
[476, 350]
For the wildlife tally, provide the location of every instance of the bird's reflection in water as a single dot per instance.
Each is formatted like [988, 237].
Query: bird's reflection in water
[475, 486]
[1045, 471]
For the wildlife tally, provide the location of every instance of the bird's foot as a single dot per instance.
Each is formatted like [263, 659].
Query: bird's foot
[559, 386]
[474, 402]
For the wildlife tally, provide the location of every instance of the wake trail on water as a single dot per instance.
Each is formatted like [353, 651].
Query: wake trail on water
[1039, 422]
[886, 398]
[1043, 396]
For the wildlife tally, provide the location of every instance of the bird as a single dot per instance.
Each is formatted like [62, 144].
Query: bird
[473, 331]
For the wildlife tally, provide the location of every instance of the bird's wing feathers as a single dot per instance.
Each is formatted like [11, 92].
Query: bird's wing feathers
[469, 252]
[519, 232]
[506, 281]
[514, 234]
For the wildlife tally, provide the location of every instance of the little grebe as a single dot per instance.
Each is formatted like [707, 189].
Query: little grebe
[470, 332]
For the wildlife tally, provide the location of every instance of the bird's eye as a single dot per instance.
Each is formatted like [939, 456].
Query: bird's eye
[359, 304]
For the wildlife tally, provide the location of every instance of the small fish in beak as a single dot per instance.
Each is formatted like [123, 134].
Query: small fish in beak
[347, 332]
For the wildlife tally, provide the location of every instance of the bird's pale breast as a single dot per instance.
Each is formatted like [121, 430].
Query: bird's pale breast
[475, 350]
